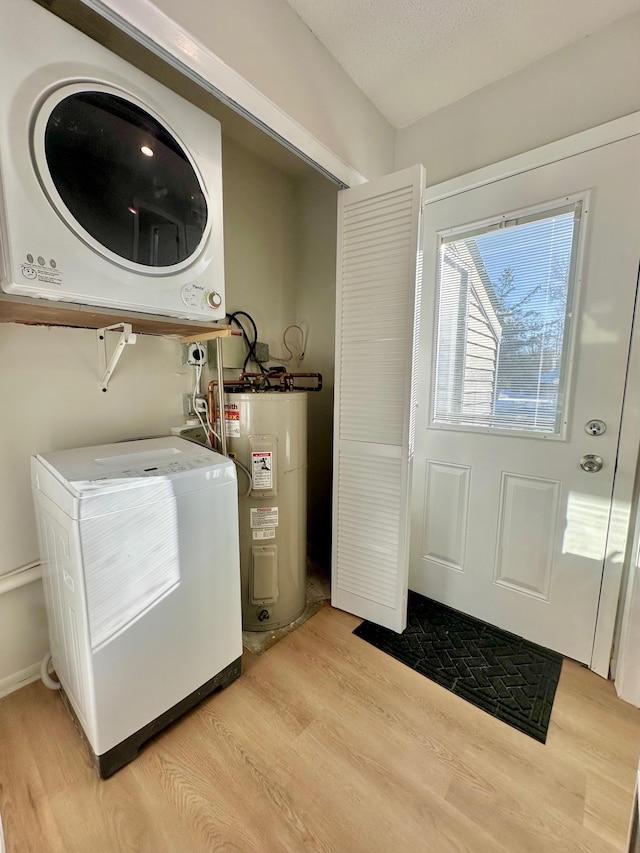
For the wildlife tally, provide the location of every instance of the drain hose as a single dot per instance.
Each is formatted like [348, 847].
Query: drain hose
[44, 673]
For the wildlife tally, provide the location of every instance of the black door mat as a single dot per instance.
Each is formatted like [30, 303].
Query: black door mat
[504, 675]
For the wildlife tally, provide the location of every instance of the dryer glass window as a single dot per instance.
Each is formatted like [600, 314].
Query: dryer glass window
[125, 179]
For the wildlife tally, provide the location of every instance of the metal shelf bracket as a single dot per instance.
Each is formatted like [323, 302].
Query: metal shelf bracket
[126, 337]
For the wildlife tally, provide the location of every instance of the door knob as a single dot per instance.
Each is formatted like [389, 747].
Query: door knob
[591, 463]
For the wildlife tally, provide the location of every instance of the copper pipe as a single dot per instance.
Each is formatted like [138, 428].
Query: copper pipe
[286, 380]
[281, 382]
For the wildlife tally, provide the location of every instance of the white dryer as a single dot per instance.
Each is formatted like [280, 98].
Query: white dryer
[139, 548]
[110, 183]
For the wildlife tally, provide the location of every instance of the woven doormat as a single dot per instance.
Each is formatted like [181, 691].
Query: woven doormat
[504, 675]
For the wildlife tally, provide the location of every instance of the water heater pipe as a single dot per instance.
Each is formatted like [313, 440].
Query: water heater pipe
[45, 677]
[250, 382]
[20, 577]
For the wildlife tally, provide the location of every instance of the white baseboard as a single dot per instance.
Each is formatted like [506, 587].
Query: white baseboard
[18, 680]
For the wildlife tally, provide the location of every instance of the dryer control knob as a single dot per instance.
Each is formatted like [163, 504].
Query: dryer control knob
[214, 299]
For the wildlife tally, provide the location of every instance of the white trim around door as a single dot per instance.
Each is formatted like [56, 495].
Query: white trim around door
[627, 652]
[618, 550]
[587, 140]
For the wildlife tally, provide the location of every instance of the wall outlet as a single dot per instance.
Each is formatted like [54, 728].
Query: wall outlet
[187, 404]
[194, 354]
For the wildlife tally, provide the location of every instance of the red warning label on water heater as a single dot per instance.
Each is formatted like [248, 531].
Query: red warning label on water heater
[262, 469]
[264, 516]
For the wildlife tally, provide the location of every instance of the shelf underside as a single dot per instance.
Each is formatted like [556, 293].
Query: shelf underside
[41, 312]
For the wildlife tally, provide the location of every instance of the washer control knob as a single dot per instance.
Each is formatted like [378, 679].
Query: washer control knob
[214, 300]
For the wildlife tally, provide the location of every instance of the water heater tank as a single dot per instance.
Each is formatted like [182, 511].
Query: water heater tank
[268, 433]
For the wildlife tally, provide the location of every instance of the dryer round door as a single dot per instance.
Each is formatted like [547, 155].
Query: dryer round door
[120, 178]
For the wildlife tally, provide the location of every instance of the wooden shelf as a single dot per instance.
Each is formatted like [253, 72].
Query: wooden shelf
[220, 332]
[41, 312]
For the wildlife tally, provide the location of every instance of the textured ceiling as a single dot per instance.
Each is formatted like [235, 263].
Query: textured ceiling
[412, 57]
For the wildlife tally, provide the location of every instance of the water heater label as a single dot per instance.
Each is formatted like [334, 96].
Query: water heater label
[266, 533]
[262, 469]
[264, 516]
[231, 419]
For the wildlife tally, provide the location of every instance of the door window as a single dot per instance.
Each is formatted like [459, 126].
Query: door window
[505, 294]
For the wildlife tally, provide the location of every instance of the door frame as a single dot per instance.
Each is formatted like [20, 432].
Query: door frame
[626, 648]
[620, 537]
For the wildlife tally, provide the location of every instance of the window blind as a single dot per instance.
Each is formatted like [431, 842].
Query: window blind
[505, 294]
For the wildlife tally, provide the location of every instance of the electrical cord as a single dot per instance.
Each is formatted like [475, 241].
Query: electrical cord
[251, 344]
[209, 421]
[207, 428]
[196, 390]
[204, 424]
[299, 356]
[246, 471]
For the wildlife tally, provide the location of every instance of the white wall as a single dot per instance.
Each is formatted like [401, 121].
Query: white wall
[585, 84]
[269, 45]
[23, 635]
[259, 241]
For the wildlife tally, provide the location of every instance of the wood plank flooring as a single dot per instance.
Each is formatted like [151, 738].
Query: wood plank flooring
[326, 744]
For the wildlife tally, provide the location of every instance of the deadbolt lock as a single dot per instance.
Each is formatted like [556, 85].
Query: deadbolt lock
[591, 463]
[595, 427]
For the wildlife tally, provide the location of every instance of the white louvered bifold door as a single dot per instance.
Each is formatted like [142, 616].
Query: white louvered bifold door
[378, 283]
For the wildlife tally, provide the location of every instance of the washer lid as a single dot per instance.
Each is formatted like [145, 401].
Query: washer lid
[132, 471]
[151, 457]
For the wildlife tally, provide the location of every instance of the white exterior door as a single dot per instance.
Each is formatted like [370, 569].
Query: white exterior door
[528, 297]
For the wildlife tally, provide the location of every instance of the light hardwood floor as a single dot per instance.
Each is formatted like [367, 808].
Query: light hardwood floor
[327, 744]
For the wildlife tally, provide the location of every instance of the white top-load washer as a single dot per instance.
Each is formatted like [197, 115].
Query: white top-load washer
[139, 548]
